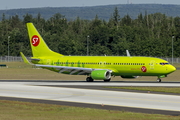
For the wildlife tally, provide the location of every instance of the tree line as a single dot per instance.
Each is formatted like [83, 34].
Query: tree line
[103, 12]
[148, 35]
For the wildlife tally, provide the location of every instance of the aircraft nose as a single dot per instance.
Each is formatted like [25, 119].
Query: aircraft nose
[172, 69]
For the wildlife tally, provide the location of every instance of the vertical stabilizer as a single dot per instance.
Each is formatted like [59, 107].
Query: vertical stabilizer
[38, 45]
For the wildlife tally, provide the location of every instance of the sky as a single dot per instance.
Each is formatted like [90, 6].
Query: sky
[16, 4]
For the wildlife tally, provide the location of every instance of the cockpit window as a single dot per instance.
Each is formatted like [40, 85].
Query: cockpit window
[164, 63]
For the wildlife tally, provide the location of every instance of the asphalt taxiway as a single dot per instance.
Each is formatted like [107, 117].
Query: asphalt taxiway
[94, 95]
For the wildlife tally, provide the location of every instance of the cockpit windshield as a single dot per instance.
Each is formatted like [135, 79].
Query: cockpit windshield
[164, 63]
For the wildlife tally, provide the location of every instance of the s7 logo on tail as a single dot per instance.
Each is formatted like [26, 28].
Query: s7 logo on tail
[35, 40]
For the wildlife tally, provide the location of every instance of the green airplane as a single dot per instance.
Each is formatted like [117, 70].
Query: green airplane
[95, 67]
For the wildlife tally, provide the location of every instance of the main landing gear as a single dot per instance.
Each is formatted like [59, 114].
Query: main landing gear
[159, 80]
[89, 79]
[107, 80]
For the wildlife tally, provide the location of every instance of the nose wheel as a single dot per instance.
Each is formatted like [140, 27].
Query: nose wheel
[159, 80]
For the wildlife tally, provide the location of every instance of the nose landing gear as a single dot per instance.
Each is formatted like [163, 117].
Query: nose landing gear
[159, 80]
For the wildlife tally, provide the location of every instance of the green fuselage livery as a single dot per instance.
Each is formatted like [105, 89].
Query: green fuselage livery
[96, 67]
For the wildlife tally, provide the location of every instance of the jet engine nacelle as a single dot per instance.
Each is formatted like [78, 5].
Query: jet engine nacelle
[101, 74]
[130, 77]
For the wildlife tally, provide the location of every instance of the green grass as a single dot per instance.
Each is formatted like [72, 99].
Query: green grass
[34, 111]
[177, 65]
[151, 89]
[21, 71]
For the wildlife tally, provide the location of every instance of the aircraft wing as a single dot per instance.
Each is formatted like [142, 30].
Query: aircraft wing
[70, 70]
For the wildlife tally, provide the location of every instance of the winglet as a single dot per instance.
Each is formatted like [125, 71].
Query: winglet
[25, 59]
[127, 52]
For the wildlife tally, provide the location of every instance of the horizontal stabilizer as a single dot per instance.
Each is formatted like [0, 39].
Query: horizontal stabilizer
[25, 59]
[35, 59]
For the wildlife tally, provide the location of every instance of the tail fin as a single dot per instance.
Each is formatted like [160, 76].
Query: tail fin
[38, 45]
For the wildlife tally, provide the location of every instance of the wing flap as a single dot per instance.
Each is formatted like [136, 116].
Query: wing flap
[70, 70]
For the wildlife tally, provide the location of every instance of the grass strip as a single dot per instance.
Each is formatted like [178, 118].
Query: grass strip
[154, 89]
[35, 111]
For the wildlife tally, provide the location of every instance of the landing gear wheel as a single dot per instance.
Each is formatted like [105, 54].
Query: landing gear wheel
[107, 80]
[89, 79]
[159, 79]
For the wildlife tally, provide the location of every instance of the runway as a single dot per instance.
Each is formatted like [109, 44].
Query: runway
[93, 94]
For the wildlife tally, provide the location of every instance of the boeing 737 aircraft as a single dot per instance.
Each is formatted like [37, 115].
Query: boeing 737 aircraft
[95, 67]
